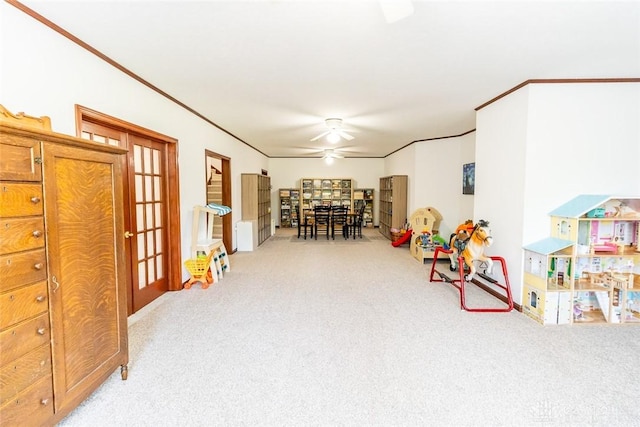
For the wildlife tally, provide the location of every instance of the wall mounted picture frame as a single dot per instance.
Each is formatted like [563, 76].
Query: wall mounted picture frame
[468, 178]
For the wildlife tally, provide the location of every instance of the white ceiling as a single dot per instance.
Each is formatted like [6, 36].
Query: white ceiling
[270, 72]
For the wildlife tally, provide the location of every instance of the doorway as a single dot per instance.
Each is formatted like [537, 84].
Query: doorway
[151, 206]
[218, 175]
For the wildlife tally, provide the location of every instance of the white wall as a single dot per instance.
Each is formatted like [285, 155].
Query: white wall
[437, 180]
[499, 187]
[581, 139]
[43, 73]
[544, 144]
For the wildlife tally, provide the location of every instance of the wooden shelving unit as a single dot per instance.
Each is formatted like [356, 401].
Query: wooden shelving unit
[393, 203]
[364, 196]
[256, 203]
[326, 191]
[289, 199]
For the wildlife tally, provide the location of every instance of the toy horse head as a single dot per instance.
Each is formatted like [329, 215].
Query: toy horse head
[482, 233]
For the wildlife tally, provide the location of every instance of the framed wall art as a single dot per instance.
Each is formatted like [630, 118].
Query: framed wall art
[468, 178]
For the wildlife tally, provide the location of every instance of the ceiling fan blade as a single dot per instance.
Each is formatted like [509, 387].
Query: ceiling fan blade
[345, 135]
[320, 136]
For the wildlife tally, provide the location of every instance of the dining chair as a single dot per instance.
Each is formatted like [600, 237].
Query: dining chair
[303, 222]
[321, 220]
[357, 221]
[339, 221]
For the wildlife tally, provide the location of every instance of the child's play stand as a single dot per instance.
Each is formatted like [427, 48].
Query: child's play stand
[214, 249]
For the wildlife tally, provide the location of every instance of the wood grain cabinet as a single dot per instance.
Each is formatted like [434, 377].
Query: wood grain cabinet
[63, 319]
[393, 203]
[256, 203]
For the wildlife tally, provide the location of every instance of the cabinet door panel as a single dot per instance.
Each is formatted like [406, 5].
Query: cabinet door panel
[22, 268]
[83, 196]
[20, 158]
[21, 234]
[21, 373]
[23, 303]
[19, 340]
[20, 199]
[37, 401]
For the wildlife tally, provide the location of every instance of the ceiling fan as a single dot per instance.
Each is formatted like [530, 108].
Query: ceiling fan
[330, 155]
[335, 131]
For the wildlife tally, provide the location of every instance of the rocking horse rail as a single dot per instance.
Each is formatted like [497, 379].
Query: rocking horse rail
[460, 282]
[506, 287]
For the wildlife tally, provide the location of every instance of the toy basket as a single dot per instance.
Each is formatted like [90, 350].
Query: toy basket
[199, 270]
[197, 267]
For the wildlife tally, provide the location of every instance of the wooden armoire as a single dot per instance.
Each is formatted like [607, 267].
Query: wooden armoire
[256, 203]
[63, 311]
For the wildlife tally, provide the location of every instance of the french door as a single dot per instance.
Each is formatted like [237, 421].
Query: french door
[146, 210]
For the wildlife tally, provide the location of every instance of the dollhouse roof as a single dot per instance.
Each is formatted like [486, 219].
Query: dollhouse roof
[626, 207]
[580, 205]
[549, 245]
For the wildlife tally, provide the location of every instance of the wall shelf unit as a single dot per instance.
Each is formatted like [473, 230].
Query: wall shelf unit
[393, 203]
[326, 191]
[256, 203]
[289, 199]
[364, 196]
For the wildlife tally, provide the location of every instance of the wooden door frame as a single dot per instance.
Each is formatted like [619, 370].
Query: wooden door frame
[227, 225]
[174, 258]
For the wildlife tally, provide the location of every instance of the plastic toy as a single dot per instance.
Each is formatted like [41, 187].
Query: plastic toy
[436, 238]
[425, 238]
[403, 239]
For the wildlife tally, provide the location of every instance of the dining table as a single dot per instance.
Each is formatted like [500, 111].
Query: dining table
[309, 217]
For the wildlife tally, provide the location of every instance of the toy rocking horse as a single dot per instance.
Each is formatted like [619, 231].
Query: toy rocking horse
[470, 243]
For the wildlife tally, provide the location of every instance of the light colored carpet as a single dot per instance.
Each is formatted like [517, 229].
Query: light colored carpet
[355, 335]
[323, 239]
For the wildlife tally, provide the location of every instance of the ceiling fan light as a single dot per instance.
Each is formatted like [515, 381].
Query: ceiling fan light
[333, 137]
[328, 160]
[395, 10]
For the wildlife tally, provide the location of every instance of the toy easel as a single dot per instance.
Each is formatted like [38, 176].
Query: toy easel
[460, 282]
[219, 260]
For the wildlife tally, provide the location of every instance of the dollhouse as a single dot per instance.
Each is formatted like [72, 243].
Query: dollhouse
[588, 270]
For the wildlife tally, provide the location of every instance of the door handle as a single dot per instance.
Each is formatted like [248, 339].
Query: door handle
[128, 234]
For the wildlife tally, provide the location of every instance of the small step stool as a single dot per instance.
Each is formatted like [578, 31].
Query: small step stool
[219, 261]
